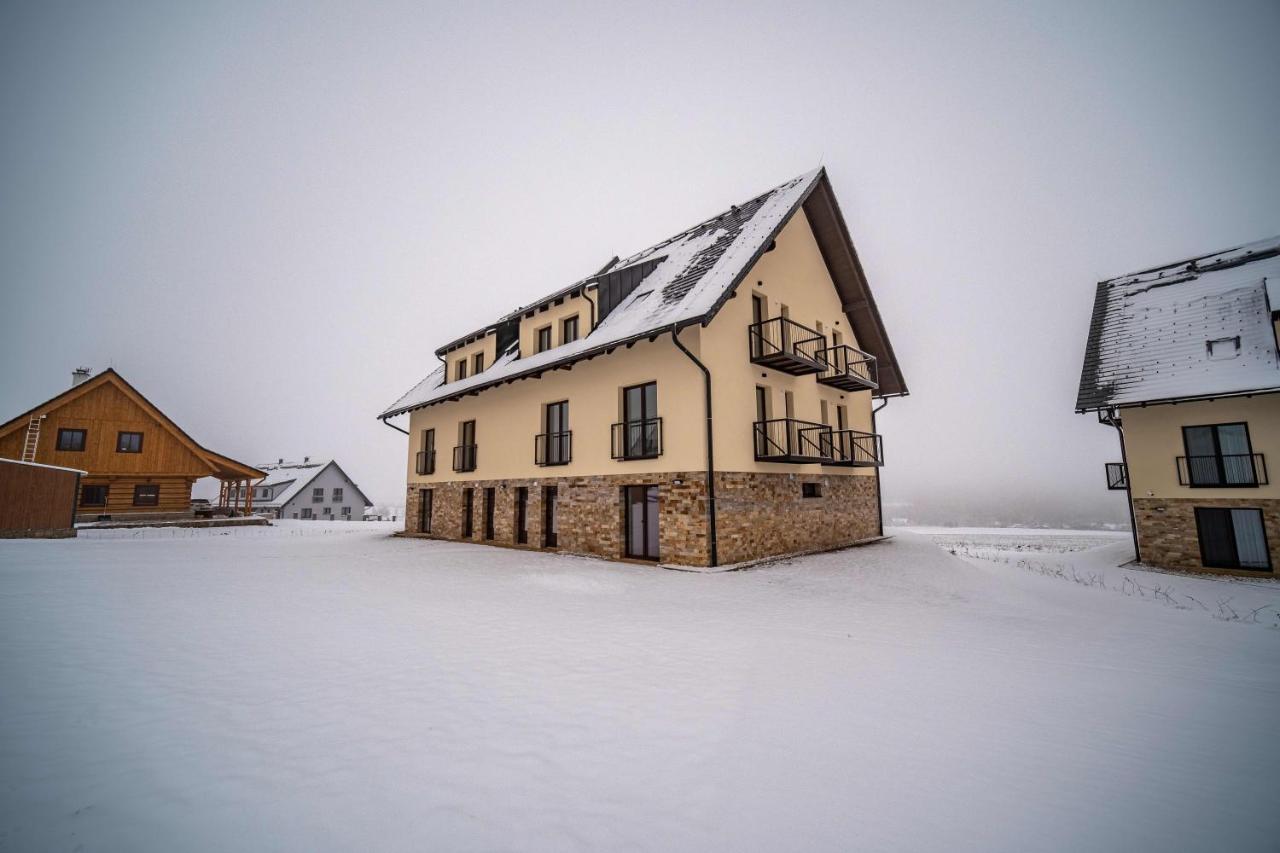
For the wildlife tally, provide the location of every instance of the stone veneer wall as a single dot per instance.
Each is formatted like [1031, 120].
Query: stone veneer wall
[1168, 536]
[758, 515]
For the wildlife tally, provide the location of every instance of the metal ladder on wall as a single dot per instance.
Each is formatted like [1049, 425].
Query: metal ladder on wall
[33, 439]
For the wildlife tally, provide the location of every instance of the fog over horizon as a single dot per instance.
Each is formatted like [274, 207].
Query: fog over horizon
[268, 217]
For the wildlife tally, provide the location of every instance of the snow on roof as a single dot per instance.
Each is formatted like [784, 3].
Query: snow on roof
[299, 474]
[1197, 328]
[695, 270]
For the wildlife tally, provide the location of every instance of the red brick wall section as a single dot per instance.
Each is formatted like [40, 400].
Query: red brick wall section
[759, 515]
[1168, 537]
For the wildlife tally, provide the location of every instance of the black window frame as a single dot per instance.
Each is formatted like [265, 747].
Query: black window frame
[426, 507]
[490, 510]
[565, 325]
[84, 490]
[1219, 465]
[69, 431]
[120, 437]
[337, 493]
[477, 363]
[468, 512]
[460, 370]
[1202, 511]
[542, 339]
[810, 490]
[154, 500]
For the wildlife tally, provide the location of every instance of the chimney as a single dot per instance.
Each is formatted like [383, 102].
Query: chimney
[280, 461]
[80, 374]
[306, 459]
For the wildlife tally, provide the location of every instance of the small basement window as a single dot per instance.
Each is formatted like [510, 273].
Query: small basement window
[811, 490]
[1220, 349]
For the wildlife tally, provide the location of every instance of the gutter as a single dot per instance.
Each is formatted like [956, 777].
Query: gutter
[884, 401]
[711, 463]
[393, 426]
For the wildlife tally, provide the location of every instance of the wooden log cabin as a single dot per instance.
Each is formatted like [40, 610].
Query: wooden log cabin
[140, 465]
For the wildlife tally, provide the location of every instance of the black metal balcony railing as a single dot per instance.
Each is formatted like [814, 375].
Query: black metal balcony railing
[851, 448]
[1117, 476]
[464, 457]
[787, 346]
[848, 368]
[791, 440]
[553, 448]
[637, 439]
[1223, 471]
[426, 463]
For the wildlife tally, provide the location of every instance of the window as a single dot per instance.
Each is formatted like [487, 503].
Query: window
[758, 312]
[337, 494]
[295, 515]
[1218, 455]
[544, 339]
[146, 495]
[464, 455]
[640, 506]
[306, 512]
[71, 439]
[489, 497]
[328, 510]
[468, 508]
[93, 496]
[641, 428]
[346, 512]
[426, 462]
[1220, 349]
[550, 518]
[762, 403]
[811, 490]
[555, 447]
[1232, 538]
[522, 515]
[569, 329]
[842, 417]
[461, 369]
[129, 442]
[424, 510]
[317, 495]
[477, 363]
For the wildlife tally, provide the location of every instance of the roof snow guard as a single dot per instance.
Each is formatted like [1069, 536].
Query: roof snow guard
[1195, 329]
[685, 280]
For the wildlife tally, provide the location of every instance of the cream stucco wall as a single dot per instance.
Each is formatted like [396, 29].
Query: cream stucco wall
[1153, 441]
[793, 274]
[487, 345]
[509, 416]
[554, 316]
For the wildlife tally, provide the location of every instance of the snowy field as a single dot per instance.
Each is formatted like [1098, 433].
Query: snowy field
[315, 686]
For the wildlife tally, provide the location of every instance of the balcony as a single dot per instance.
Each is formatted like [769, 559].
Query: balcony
[848, 369]
[1117, 476]
[786, 346]
[640, 439]
[464, 457]
[790, 440]
[1223, 471]
[849, 448]
[553, 448]
[426, 462]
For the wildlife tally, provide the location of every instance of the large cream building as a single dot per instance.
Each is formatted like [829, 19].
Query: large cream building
[707, 401]
[1182, 360]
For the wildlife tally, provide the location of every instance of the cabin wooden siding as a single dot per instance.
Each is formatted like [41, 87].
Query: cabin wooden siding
[104, 412]
[36, 501]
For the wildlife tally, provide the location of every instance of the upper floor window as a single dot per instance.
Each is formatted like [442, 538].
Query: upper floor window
[129, 442]
[71, 439]
[544, 339]
[1219, 455]
[460, 370]
[477, 363]
[337, 494]
[317, 495]
[569, 329]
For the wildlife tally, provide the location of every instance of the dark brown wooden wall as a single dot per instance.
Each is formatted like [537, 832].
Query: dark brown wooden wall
[35, 498]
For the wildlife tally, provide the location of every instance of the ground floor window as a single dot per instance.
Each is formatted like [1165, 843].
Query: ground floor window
[1232, 538]
[550, 518]
[424, 510]
[93, 496]
[468, 509]
[522, 515]
[306, 512]
[346, 512]
[328, 510]
[489, 497]
[147, 494]
[640, 505]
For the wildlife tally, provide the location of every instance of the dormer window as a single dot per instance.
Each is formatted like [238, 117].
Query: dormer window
[569, 330]
[1220, 349]
[544, 339]
[460, 370]
[477, 363]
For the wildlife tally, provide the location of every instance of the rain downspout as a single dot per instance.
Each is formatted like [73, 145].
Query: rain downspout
[711, 458]
[884, 401]
[1114, 420]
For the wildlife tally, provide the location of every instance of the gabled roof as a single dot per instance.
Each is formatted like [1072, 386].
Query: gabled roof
[1197, 328]
[691, 276]
[219, 465]
[296, 476]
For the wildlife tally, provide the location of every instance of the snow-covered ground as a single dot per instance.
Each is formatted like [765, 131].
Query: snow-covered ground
[315, 686]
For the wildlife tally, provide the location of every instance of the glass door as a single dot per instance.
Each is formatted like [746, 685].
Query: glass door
[522, 515]
[550, 519]
[642, 521]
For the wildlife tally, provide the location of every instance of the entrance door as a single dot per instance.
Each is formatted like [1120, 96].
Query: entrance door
[488, 512]
[550, 519]
[642, 521]
[424, 510]
[468, 508]
[522, 515]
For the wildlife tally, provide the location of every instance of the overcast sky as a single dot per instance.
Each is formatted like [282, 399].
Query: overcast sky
[267, 216]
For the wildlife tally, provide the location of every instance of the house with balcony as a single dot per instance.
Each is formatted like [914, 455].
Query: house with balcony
[706, 401]
[1182, 361]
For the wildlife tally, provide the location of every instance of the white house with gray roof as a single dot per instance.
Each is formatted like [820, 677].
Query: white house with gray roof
[309, 490]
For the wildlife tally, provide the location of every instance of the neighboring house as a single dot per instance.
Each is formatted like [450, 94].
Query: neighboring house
[309, 490]
[704, 402]
[140, 465]
[1183, 361]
